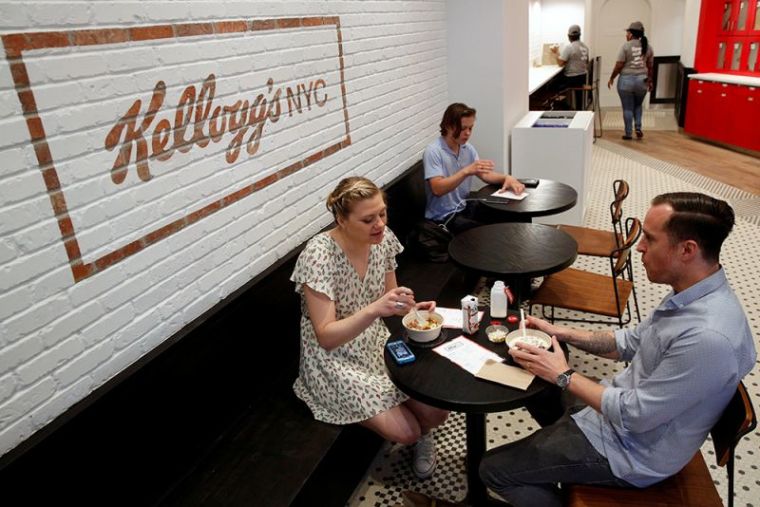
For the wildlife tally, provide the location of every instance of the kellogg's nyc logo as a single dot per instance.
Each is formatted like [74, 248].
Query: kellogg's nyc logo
[235, 128]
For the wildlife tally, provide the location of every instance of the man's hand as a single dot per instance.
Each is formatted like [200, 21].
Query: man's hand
[511, 183]
[534, 322]
[479, 168]
[547, 364]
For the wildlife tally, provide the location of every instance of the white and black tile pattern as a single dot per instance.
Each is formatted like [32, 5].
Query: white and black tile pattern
[390, 473]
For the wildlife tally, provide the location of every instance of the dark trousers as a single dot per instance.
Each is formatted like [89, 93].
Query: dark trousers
[574, 82]
[526, 472]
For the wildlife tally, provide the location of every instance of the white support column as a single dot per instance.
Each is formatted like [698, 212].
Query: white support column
[488, 69]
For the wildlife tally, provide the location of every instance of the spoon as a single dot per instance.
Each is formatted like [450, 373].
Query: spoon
[417, 315]
[522, 321]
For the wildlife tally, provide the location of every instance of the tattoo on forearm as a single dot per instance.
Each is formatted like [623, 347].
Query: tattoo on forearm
[600, 342]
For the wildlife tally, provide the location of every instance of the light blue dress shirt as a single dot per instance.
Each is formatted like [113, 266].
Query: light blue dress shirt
[686, 360]
[439, 160]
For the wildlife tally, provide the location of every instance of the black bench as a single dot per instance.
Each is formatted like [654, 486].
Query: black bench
[210, 417]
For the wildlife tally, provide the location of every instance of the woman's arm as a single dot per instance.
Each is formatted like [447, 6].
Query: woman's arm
[332, 333]
[615, 71]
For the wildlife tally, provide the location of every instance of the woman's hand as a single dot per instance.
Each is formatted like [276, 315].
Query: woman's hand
[426, 305]
[610, 82]
[397, 301]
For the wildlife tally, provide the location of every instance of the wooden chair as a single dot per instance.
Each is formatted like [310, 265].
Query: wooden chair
[692, 486]
[589, 292]
[597, 242]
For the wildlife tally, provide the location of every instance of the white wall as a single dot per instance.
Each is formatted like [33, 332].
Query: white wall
[488, 69]
[558, 15]
[690, 30]
[147, 262]
[666, 32]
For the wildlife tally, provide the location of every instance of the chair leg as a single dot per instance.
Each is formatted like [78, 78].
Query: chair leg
[730, 470]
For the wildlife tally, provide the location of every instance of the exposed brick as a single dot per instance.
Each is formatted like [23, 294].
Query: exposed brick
[18, 71]
[262, 24]
[264, 182]
[230, 26]
[51, 179]
[41, 40]
[313, 21]
[103, 36]
[72, 249]
[66, 226]
[288, 22]
[151, 32]
[58, 202]
[36, 130]
[81, 271]
[189, 29]
[26, 97]
[204, 212]
[42, 150]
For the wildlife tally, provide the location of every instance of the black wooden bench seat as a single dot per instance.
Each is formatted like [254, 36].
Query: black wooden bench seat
[210, 418]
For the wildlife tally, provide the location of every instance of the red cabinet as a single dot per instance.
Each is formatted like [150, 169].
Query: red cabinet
[724, 112]
[728, 51]
[746, 129]
[701, 107]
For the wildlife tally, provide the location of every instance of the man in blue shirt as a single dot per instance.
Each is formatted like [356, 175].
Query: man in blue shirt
[450, 163]
[686, 360]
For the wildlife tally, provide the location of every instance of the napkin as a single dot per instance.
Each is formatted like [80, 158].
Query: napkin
[508, 194]
[505, 374]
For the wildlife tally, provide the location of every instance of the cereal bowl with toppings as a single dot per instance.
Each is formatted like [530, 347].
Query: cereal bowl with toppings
[532, 337]
[427, 330]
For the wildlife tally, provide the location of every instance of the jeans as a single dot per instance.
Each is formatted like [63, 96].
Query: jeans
[632, 89]
[526, 472]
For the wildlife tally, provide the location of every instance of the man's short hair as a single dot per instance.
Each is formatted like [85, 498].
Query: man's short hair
[698, 217]
[452, 118]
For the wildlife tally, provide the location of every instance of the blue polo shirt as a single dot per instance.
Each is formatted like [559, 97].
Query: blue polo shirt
[439, 160]
[686, 360]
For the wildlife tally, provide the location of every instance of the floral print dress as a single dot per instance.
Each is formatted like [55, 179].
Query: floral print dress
[347, 384]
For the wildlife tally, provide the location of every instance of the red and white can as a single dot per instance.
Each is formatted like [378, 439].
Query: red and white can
[470, 322]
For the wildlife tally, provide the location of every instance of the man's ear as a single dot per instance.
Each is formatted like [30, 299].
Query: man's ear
[689, 249]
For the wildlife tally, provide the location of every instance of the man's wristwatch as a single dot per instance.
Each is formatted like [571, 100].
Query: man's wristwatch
[563, 379]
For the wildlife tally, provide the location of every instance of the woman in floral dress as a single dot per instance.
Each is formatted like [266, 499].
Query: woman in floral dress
[347, 282]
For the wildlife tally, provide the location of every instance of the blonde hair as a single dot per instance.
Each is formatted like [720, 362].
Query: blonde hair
[350, 191]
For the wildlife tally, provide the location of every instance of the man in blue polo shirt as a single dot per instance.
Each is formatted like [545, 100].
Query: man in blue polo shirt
[686, 360]
[450, 163]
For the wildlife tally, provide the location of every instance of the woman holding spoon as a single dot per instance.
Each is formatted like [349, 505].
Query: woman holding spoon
[347, 282]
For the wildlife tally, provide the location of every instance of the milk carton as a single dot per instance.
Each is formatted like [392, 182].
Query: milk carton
[470, 322]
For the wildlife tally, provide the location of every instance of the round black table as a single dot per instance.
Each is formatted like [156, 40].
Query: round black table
[435, 380]
[514, 251]
[548, 198]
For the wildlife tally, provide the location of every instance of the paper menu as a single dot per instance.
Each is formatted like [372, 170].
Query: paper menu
[467, 354]
[452, 317]
[508, 194]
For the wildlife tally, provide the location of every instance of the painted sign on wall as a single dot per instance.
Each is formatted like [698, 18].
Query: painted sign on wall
[173, 122]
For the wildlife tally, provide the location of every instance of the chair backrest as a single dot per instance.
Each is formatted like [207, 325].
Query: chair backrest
[737, 420]
[620, 257]
[620, 188]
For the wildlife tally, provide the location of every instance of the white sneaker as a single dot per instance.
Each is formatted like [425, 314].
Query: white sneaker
[424, 460]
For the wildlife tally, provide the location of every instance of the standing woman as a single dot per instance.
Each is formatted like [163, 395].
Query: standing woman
[634, 64]
[347, 282]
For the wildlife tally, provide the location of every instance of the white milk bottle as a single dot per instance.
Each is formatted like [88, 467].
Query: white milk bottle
[498, 300]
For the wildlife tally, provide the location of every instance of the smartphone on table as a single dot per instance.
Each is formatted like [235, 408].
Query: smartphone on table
[400, 352]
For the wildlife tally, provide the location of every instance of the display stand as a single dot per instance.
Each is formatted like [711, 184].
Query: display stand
[556, 145]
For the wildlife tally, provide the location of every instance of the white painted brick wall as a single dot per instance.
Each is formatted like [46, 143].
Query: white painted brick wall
[61, 339]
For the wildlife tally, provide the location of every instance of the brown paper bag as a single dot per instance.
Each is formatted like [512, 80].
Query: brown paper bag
[549, 57]
[505, 374]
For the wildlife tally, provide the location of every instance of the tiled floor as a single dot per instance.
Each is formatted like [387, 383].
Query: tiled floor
[389, 475]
